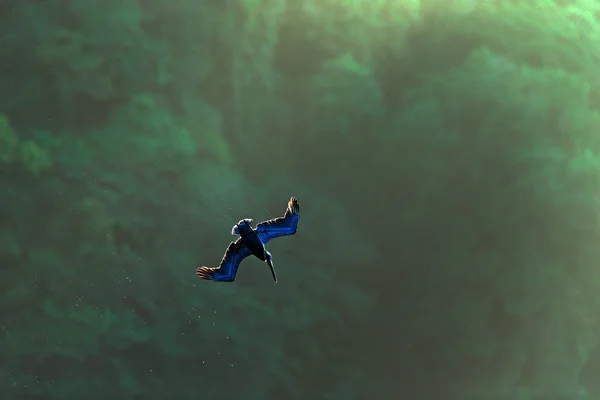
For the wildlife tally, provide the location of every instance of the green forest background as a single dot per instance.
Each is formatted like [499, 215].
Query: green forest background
[446, 156]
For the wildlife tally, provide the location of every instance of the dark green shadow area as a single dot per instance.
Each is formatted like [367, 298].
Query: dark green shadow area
[446, 159]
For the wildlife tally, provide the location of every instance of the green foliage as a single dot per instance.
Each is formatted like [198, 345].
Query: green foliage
[345, 95]
[360, 27]
[511, 138]
[206, 125]
[86, 56]
[35, 158]
[8, 140]
[557, 36]
[347, 86]
[253, 79]
[445, 157]
[9, 243]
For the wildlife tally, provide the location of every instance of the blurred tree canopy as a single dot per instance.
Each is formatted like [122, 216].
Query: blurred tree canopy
[446, 157]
